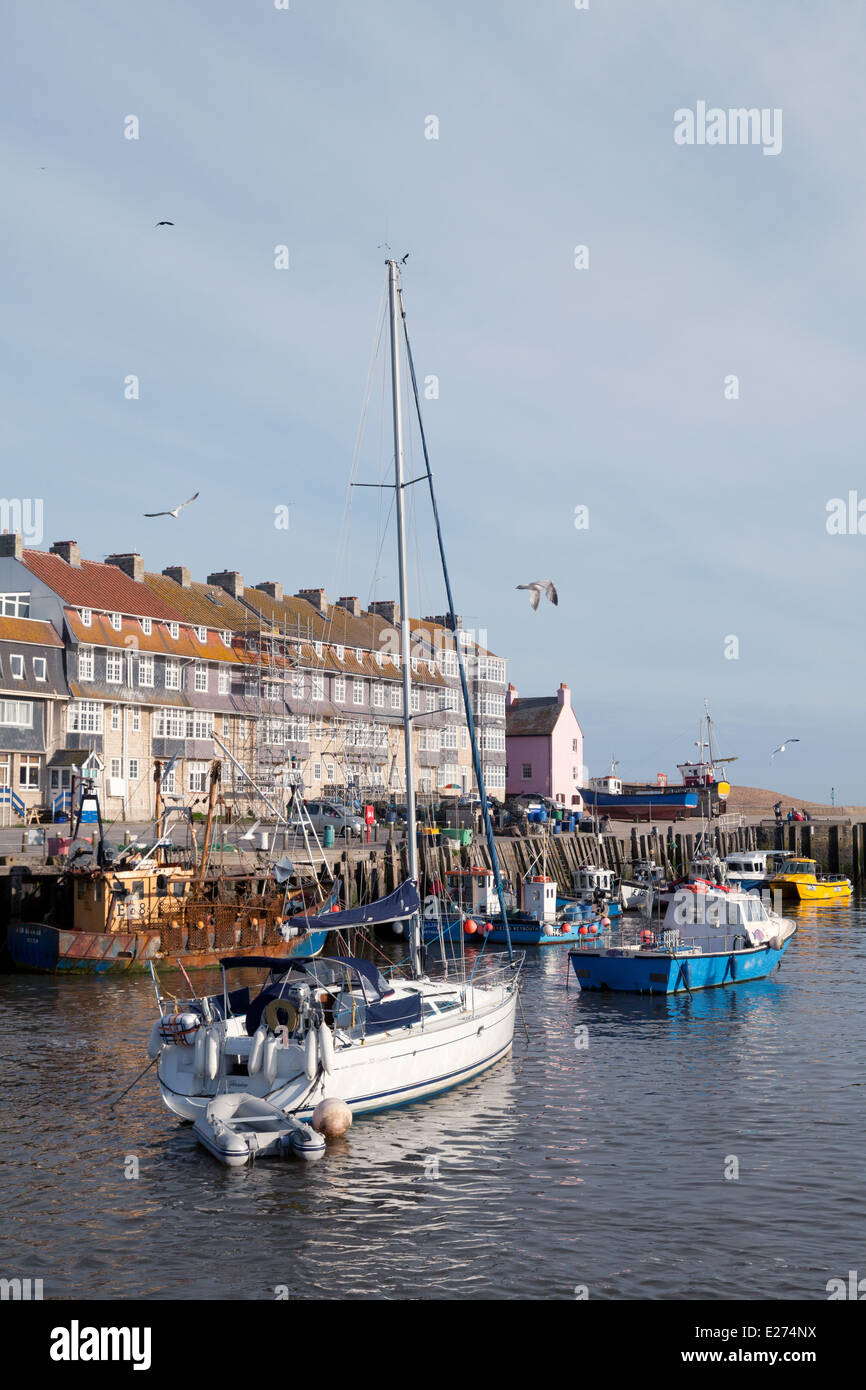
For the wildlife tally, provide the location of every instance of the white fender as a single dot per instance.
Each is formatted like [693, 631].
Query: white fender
[326, 1048]
[198, 1059]
[212, 1055]
[269, 1060]
[154, 1046]
[310, 1055]
[254, 1061]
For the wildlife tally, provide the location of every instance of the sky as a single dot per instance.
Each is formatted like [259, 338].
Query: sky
[558, 387]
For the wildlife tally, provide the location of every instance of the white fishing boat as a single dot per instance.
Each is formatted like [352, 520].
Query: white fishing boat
[336, 1027]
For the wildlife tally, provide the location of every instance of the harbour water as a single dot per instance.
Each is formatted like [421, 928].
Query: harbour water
[590, 1164]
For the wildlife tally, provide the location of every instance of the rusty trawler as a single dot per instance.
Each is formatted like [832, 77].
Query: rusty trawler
[158, 904]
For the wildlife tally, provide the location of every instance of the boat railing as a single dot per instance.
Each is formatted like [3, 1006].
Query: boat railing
[486, 969]
[663, 939]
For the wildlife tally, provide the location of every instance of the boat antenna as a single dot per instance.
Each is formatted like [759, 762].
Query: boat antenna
[467, 703]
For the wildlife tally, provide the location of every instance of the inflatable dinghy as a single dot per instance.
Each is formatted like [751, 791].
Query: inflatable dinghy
[237, 1128]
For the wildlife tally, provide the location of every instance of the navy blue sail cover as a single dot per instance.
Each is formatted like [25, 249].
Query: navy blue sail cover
[402, 903]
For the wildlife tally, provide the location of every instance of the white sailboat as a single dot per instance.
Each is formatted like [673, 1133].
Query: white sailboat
[335, 1027]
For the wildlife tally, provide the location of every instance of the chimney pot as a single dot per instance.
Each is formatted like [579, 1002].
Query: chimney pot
[131, 564]
[180, 575]
[230, 580]
[388, 609]
[68, 551]
[11, 545]
[351, 605]
[317, 598]
[272, 589]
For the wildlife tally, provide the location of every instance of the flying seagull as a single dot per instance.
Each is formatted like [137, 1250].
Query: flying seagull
[782, 747]
[176, 509]
[163, 224]
[539, 587]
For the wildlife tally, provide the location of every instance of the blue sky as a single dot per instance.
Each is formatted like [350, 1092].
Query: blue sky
[558, 387]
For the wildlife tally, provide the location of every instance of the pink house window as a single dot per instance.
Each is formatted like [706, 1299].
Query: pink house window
[527, 772]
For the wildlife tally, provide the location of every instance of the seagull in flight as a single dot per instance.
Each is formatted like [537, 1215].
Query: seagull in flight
[163, 224]
[539, 587]
[176, 510]
[782, 747]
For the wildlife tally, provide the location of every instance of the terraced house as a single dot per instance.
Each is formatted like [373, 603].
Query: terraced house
[159, 666]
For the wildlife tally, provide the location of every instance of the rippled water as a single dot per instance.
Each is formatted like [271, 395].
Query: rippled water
[600, 1166]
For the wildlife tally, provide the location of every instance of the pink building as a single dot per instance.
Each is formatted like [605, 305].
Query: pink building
[544, 747]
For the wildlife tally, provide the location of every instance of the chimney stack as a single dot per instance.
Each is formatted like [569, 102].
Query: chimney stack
[272, 589]
[563, 695]
[131, 564]
[68, 551]
[11, 546]
[510, 696]
[386, 608]
[351, 605]
[180, 575]
[444, 620]
[317, 598]
[230, 580]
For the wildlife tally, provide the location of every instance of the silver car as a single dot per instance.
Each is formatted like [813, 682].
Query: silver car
[342, 819]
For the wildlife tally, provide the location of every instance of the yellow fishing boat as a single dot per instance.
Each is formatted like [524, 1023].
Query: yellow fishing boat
[799, 880]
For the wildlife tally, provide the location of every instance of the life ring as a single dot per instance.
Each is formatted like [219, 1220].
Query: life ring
[280, 1013]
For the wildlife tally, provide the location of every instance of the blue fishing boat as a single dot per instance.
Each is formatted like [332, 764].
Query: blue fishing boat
[710, 936]
[470, 909]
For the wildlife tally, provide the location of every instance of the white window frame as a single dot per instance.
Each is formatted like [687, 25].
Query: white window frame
[116, 622]
[147, 626]
[86, 616]
[174, 631]
[16, 660]
[113, 666]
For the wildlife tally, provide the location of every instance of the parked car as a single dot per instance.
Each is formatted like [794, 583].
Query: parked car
[342, 819]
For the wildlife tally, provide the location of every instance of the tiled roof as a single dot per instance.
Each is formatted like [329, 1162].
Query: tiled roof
[206, 605]
[533, 718]
[28, 630]
[100, 633]
[95, 585]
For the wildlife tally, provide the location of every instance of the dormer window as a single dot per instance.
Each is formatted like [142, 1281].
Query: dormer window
[380, 660]
[359, 655]
[146, 626]
[414, 665]
[86, 617]
[17, 665]
[201, 634]
[318, 648]
[341, 652]
[227, 639]
[174, 630]
[116, 621]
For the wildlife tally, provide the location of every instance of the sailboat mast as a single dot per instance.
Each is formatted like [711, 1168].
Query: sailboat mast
[405, 646]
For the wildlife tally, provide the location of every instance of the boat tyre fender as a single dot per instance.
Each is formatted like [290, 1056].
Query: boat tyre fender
[254, 1062]
[212, 1055]
[326, 1048]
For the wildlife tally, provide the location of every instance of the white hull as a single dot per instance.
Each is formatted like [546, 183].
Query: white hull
[386, 1070]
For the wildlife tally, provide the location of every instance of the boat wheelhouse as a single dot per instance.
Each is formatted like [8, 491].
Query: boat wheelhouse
[799, 881]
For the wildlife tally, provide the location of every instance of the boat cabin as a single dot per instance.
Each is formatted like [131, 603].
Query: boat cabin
[707, 911]
[539, 898]
[612, 786]
[589, 880]
[121, 900]
[473, 891]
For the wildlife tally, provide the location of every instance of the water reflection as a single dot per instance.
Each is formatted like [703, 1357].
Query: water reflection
[599, 1164]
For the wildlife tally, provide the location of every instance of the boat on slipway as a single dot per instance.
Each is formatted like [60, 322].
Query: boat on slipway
[709, 937]
[335, 1028]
